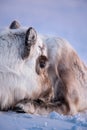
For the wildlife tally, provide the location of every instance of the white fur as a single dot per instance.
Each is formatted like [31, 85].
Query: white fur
[18, 78]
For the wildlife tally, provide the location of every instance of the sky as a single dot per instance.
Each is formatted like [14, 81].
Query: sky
[63, 18]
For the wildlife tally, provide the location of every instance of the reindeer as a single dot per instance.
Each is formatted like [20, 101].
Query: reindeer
[40, 74]
[20, 51]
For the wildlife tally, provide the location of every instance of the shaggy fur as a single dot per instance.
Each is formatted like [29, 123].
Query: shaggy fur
[40, 74]
[68, 76]
[18, 77]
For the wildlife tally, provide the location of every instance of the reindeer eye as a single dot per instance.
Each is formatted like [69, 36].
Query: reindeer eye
[42, 64]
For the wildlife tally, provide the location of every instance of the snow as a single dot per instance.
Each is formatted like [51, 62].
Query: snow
[53, 121]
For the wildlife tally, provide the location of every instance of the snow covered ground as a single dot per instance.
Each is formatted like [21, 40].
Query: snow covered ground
[53, 121]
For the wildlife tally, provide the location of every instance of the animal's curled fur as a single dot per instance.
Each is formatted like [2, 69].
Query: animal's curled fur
[49, 77]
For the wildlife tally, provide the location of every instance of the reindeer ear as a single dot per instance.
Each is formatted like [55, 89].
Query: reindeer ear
[14, 25]
[30, 40]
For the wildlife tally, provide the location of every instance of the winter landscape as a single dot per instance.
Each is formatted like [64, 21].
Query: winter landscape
[64, 18]
[53, 121]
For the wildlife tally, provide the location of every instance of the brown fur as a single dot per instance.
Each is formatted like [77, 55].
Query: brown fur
[68, 78]
[63, 79]
[41, 69]
[71, 73]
